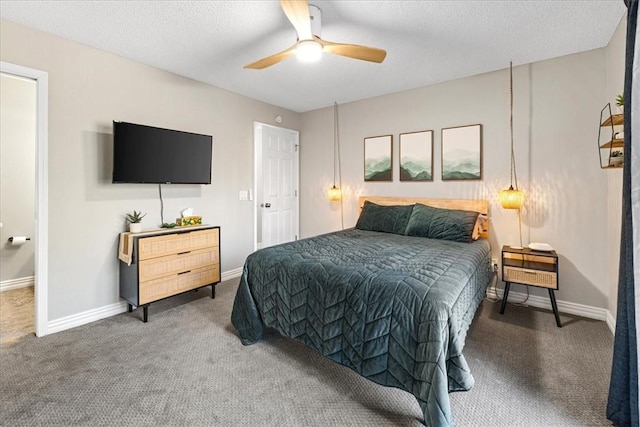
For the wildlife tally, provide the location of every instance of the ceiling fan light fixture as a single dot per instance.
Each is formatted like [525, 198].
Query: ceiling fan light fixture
[308, 51]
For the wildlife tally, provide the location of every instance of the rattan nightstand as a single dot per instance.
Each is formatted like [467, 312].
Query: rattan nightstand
[531, 268]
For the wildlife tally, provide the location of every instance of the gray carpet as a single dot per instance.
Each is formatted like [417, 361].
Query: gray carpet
[187, 367]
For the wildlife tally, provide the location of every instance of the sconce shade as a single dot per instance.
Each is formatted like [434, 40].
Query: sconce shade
[334, 194]
[511, 199]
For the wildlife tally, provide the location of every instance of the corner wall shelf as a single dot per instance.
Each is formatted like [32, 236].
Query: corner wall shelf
[613, 159]
[615, 119]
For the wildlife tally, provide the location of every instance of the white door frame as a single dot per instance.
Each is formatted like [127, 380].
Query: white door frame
[257, 160]
[41, 202]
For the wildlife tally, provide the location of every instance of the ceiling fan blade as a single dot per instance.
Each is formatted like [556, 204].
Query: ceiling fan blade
[365, 53]
[273, 59]
[298, 13]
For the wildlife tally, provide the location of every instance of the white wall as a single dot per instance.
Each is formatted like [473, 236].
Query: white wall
[557, 103]
[88, 89]
[17, 180]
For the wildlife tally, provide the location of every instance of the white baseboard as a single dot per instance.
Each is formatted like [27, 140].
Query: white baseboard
[89, 316]
[231, 274]
[85, 317]
[563, 306]
[22, 282]
[611, 322]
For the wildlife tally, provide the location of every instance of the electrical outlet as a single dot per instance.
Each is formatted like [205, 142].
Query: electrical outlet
[244, 195]
[494, 262]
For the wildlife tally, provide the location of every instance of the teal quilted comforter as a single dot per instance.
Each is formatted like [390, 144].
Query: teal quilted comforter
[393, 308]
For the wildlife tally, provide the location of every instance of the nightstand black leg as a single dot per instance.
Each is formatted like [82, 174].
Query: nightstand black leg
[507, 286]
[145, 313]
[129, 308]
[552, 296]
[213, 290]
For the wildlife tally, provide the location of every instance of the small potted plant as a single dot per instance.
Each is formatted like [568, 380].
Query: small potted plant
[135, 221]
[616, 158]
[620, 102]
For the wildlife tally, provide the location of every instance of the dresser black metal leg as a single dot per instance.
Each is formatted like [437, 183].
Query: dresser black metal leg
[552, 296]
[213, 290]
[507, 286]
[145, 313]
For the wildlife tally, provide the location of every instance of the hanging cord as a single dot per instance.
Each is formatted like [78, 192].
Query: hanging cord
[514, 175]
[524, 300]
[161, 204]
[336, 159]
[520, 229]
[494, 287]
[335, 139]
[520, 226]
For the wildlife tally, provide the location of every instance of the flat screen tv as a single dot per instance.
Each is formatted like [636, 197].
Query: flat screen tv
[146, 154]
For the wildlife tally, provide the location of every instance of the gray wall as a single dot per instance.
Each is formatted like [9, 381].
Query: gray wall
[557, 103]
[17, 180]
[615, 86]
[556, 112]
[88, 89]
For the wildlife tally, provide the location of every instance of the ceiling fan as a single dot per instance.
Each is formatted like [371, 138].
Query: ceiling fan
[306, 19]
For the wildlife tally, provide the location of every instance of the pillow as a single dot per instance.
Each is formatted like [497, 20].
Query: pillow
[446, 224]
[482, 224]
[388, 219]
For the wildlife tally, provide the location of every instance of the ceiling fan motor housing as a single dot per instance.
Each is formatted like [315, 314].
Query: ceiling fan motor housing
[315, 16]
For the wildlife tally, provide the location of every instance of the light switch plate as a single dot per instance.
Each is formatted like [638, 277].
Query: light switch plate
[244, 195]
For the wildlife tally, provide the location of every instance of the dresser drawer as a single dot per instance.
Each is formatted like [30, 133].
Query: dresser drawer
[156, 268]
[154, 290]
[157, 246]
[545, 279]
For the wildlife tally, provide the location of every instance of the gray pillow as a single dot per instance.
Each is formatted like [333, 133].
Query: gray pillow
[446, 224]
[388, 219]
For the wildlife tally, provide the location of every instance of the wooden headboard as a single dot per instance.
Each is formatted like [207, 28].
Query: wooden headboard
[474, 205]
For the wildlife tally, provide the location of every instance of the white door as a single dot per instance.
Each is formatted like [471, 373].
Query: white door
[277, 185]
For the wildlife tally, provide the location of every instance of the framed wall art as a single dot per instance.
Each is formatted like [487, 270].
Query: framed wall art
[377, 158]
[462, 153]
[416, 156]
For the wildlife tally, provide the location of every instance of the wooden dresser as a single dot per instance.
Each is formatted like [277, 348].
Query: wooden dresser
[165, 263]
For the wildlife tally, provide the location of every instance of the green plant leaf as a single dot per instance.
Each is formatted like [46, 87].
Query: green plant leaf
[135, 217]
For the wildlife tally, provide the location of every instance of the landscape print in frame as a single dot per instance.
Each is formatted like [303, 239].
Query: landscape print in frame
[377, 158]
[462, 153]
[416, 156]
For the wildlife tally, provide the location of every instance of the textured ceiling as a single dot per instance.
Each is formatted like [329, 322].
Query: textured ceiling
[426, 41]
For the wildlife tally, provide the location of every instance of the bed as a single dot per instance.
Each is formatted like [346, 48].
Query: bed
[392, 298]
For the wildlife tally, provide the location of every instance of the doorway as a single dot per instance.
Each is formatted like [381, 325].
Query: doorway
[38, 216]
[276, 172]
[17, 205]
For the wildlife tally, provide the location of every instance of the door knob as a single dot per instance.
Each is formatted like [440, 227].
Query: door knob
[265, 205]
